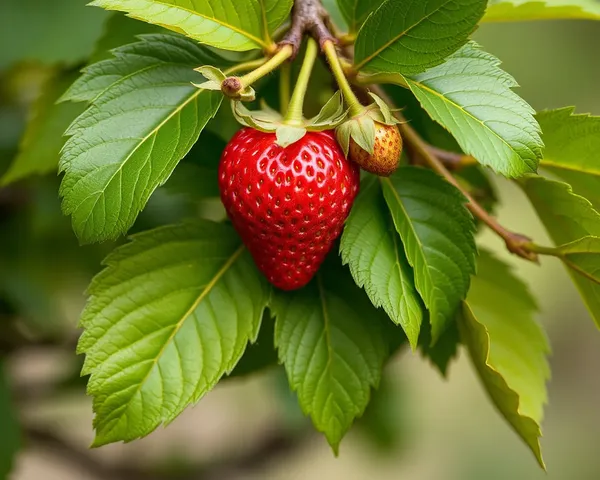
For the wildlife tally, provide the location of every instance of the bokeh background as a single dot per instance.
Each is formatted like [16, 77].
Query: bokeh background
[421, 426]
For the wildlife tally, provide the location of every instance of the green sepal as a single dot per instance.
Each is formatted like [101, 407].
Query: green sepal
[331, 115]
[383, 114]
[288, 134]
[269, 120]
[215, 78]
[361, 129]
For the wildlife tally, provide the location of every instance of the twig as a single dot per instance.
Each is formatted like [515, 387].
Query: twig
[452, 160]
[308, 16]
[515, 242]
[276, 445]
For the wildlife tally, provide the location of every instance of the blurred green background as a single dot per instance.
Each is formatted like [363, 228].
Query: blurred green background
[421, 426]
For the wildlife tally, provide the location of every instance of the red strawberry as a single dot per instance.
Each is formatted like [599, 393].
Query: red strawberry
[288, 204]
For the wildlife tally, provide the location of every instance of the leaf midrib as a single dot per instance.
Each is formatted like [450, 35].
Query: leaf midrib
[572, 168]
[366, 60]
[207, 289]
[142, 141]
[468, 114]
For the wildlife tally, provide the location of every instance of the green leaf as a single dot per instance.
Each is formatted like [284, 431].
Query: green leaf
[472, 97]
[583, 256]
[120, 30]
[129, 60]
[507, 346]
[48, 32]
[40, 146]
[356, 11]
[437, 232]
[567, 217]
[239, 26]
[127, 143]
[410, 37]
[444, 350]
[10, 439]
[331, 342]
[374, 253]
[571, 151]
[526, 11]
[169, 316]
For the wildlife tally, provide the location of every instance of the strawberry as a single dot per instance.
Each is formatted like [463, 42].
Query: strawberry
[386, 151]
[288, 204]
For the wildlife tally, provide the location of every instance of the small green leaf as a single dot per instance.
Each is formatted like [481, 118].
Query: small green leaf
[330, 340]
[527, 11]
[507, 347]
[567, 217]
[583, 256]
[169, 316]
[472, 97]
[375, 255]
[10, 439]
[239, 26]
[437, 233]
[571, 151]
[127, 143]
[356, 11]
[40, 146]
[410, 37]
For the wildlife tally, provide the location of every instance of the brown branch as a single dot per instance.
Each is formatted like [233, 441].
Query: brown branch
[515, 242]
[451, 160]
[277, 444]
[308, 16]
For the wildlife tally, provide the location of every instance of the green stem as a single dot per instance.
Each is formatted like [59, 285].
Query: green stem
[284, 87]
[241, 67]
[338, 72]
[551, 251]
[294, 111]
[267, 67]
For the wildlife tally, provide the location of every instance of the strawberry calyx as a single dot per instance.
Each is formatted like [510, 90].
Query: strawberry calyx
[362, 127]
[267, 119]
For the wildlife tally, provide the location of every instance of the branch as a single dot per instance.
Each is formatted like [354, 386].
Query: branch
[515, 242]
[266, 451]
[308, 16]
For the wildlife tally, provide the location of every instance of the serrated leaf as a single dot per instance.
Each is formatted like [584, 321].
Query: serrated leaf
[120, 30]
[410, 37]
[330, 340]
[526, 11]
[127, 143]
[355, 12]
[371, 248]
[134, 57]
[172, 313]
[10, 440]
[472, 97]
[567, 217]
[40, 145]
[507, 347]
[571, 151]
[239, 26]
[437, 233]
[583, 256]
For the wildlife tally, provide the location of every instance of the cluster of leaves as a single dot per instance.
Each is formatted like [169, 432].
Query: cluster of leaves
[176, 307]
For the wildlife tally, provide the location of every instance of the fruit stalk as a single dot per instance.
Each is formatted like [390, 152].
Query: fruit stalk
[294, 112]
[338, 72]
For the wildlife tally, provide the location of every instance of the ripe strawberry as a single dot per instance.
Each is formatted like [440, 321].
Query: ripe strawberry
[288, 204]
[386, 153]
